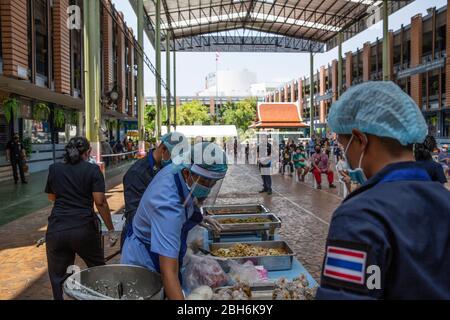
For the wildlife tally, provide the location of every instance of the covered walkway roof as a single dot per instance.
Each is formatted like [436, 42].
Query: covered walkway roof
[260, 25]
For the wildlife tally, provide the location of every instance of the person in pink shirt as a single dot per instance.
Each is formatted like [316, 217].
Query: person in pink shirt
[321, 165]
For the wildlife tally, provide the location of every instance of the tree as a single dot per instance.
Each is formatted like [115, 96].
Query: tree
[241, 114]
[191, 112]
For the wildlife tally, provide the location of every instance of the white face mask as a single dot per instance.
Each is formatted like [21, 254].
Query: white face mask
[356, 174]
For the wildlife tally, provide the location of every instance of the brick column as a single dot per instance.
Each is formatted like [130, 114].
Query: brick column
[334, 78]
[178, 103]
[447, 64]
[121, 65]
[14, 22]
[61, 47]
[366, 61]
[108, 59]
[348, 69]
[293, 91]
[286, 93]
[391, 54]
[212, 108]
[416, 58]
[300, 96]
[131, 80]
[322, 92]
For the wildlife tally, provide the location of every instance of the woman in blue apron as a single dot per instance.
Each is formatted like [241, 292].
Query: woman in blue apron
[389, 238]
[168, 211]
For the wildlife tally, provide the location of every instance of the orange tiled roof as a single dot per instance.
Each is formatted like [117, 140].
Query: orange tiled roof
[278, 115]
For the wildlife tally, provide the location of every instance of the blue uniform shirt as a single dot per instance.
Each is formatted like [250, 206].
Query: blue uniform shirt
[158, 221]
[402, 227]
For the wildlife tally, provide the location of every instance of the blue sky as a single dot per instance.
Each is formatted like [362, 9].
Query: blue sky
[269, 67]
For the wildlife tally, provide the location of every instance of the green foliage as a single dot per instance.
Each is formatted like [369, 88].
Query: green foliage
[11, 108]
[191, 112]
[28, 146]
[241, 114]
[71, 117]
[59, 118]
[41, 111]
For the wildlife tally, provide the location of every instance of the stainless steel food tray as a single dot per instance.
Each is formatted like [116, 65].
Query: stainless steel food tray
[234, 209]
[260, 291]
[271, 263]
[266, 229]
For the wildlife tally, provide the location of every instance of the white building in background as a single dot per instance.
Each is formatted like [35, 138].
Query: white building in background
[263, 88]
[229, 83]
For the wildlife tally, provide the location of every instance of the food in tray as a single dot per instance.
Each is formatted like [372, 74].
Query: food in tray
[298, 289]
[247, 250]
[224, 211]
[243, 220]
[240, 291]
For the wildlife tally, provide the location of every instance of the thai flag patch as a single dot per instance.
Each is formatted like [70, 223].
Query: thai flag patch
[346, 265]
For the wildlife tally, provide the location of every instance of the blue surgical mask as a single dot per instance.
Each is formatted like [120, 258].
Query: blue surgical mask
[165, 162]
[356, 174]
[198, 191]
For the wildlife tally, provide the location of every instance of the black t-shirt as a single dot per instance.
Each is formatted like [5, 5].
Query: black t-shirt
[434, 170]
[73, 186]
[15, 149]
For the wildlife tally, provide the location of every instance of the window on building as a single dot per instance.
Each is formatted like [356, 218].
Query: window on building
[433, 85]
[427, 43]
[76, 57]
[397, 49]
[41, 39]
[406, 47]
[115, 50]
[441, 31]
[38, 131]
[373, 59]
[1, 47]
[446, 125]
[127, 78]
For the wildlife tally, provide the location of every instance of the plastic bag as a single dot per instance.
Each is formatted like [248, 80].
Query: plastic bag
[245, 273]
[195, 238]
[202, 270]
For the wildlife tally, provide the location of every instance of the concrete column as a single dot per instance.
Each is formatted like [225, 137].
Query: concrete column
[286, 93]
[158, 67]
[140, 79]
[293, 91]
[168, 103]
[92, 75]
[174, 86]
[416, 58]
[386, 41]
[340, 74]
[311, 93]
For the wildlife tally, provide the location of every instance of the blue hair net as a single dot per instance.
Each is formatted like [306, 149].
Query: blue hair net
[170, 140]
[379, 108]
[205, 159]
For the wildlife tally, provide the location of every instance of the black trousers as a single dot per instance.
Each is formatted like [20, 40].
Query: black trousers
[17, 162]
[62, 247]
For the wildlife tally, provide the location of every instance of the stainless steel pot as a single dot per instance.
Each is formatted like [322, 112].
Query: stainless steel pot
[115, 282]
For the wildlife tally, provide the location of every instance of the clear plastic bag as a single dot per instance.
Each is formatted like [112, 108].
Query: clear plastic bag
[202, 270]
[195, 238]
[245, 273]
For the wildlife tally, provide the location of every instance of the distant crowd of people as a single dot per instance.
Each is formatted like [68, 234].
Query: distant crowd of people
[317, 155]
[118, 147]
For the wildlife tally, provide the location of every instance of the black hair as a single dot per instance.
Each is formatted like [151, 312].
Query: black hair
[75, 149]
[423, 151]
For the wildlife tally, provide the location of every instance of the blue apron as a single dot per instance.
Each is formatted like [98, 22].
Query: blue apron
[190, 223]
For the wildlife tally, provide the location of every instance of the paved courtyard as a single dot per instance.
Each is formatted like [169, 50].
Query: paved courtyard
[305, 213]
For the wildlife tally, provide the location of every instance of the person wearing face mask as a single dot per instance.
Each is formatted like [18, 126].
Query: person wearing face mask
[389, 239]
[139, 176]
[74, 186]
[321, 165]
[169, 209]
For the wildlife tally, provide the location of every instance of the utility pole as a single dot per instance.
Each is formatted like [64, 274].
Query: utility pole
[140, 80]
[158, 67]
[168, 102]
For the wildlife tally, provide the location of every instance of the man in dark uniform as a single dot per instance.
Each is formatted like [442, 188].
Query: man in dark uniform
[390, 238]
[139, 176]
[15, 152]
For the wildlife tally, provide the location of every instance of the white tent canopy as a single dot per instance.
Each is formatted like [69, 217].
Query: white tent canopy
[205, 131]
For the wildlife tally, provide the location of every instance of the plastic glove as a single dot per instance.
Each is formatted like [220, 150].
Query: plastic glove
[113, 237]
[211, 224]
